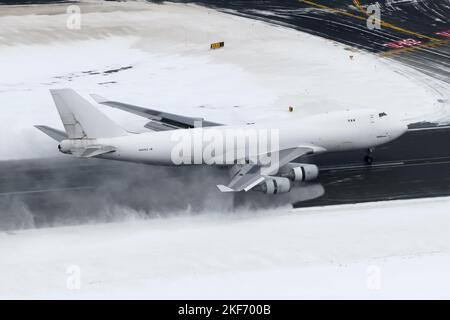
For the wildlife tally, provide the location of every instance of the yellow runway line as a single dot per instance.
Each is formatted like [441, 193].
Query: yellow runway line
[382, 23]
[358, 6]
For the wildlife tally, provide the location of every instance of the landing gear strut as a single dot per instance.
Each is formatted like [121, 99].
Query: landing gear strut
[368, 159]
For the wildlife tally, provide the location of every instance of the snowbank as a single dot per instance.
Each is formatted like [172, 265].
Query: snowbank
[158, 56]
[397, 249]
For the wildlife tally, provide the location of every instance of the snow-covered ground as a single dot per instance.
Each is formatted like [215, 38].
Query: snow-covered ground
[378, 250]
[162, 60]
[261, 71]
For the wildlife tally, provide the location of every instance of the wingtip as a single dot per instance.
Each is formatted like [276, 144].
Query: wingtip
[97, 98]
[53, 91]
[223, 188]
[41, 127]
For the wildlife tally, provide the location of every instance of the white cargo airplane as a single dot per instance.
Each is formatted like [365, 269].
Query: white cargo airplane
[90, 133]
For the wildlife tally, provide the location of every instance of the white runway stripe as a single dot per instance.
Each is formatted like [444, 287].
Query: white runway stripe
[45, 190]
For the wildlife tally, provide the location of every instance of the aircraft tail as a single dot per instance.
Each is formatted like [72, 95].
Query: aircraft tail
[81, 119]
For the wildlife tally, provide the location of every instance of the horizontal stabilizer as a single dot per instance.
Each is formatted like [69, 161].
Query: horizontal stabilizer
[98, 98]
[55, 134]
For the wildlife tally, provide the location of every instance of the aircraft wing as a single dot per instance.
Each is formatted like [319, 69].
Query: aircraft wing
[249, 176]
[160, 121]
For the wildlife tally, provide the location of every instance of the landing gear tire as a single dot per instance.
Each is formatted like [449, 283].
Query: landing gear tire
[368, 160]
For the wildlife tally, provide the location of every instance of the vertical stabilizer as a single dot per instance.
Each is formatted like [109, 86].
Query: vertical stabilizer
[81, 119]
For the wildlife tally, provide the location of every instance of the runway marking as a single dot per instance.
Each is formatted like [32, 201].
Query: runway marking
[382, 22]
[432, 128]
[403, 163]
[434, 41]
[44, 190]
[359, 7]
[444, 33]
[427, 161]
[361, 166]
[372, 203]
[417, 47]
[381, 198]
[403, 43]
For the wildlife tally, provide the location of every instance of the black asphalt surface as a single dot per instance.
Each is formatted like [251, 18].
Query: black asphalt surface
[346, 20]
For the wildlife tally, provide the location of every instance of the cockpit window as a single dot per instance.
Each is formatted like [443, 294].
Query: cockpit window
[382, 114]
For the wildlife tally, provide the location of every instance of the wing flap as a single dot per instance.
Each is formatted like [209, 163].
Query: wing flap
[250, 175]
[246, 183]
[158, 126]
[284, 157]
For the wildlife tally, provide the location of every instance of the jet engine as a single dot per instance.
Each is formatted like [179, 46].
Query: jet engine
[274, 185]
[300, 171]
[65, 146]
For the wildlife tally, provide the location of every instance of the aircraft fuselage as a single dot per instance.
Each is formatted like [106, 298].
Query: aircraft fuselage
[328, 132]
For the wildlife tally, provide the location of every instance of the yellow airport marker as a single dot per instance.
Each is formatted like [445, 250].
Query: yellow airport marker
[217, 45]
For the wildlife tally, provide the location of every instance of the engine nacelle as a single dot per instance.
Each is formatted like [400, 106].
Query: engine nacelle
[300, 171]
[275, 185]
[65, 146]
[70, 146]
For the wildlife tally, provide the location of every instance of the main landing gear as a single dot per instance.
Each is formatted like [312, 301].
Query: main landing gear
[368, 159]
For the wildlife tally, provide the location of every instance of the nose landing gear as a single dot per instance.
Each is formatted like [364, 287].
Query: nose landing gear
[368, 158]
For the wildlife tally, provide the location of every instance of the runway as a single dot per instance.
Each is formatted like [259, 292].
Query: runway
[49, 192]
